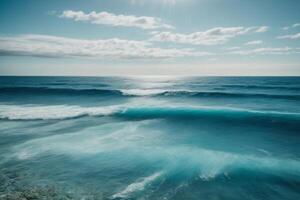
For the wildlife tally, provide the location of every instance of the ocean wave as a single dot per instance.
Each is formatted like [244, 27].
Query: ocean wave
[140, 92]
[273, 87]
[130, 142]
[217, 94]
[211, 113]
[176, 160]
[57, 91]
[30, 112]
[143, 92]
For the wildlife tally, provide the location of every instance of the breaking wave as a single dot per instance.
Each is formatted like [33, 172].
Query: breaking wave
[29, 112]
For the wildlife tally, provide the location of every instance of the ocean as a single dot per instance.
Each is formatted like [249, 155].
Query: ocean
[176, 138]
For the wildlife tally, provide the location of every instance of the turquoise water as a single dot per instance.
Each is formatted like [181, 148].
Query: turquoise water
[150, 138]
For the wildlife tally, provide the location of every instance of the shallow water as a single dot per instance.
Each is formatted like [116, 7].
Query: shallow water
[150, 137]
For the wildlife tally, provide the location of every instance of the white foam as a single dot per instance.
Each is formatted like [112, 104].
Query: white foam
[137, 186]
[29, 112]
[129, 138]
[143, 92]
[104, 138]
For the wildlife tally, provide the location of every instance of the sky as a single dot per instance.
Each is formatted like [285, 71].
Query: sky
[150, 37]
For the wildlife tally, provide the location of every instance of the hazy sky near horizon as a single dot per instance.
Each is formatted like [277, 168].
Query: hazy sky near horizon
[150, 37]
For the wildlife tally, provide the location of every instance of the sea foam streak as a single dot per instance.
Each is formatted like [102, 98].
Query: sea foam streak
[137, 186]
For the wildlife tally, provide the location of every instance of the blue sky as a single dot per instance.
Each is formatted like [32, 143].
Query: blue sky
[143, 37]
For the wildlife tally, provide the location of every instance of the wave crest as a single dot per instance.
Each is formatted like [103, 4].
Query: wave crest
[12, 112]
[29, 112]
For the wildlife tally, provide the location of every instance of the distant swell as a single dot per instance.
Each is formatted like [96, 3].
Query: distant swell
[57, 91]
[267, 87]
[138, 93]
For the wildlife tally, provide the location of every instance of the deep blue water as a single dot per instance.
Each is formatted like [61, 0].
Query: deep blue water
[150, 138]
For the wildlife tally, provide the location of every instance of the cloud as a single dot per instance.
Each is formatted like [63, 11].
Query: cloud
[214, 36]
[285, 28]
[268, 51]
[232, 48]
[296, 25]
[292, 37]
[262, 29]
[292, 26]
[255, 42]
[107, 18]
[52, 46]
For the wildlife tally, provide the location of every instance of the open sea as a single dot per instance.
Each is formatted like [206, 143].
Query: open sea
[150, 138]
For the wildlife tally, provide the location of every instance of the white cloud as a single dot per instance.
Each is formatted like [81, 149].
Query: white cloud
[214, 36]
[296, 25]
[292, 37]
[232, 48]
[292, 26]
[112, 19]
[285, 28]
[255, 42]
[262, 29]
[268, 51]
[52, 46]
